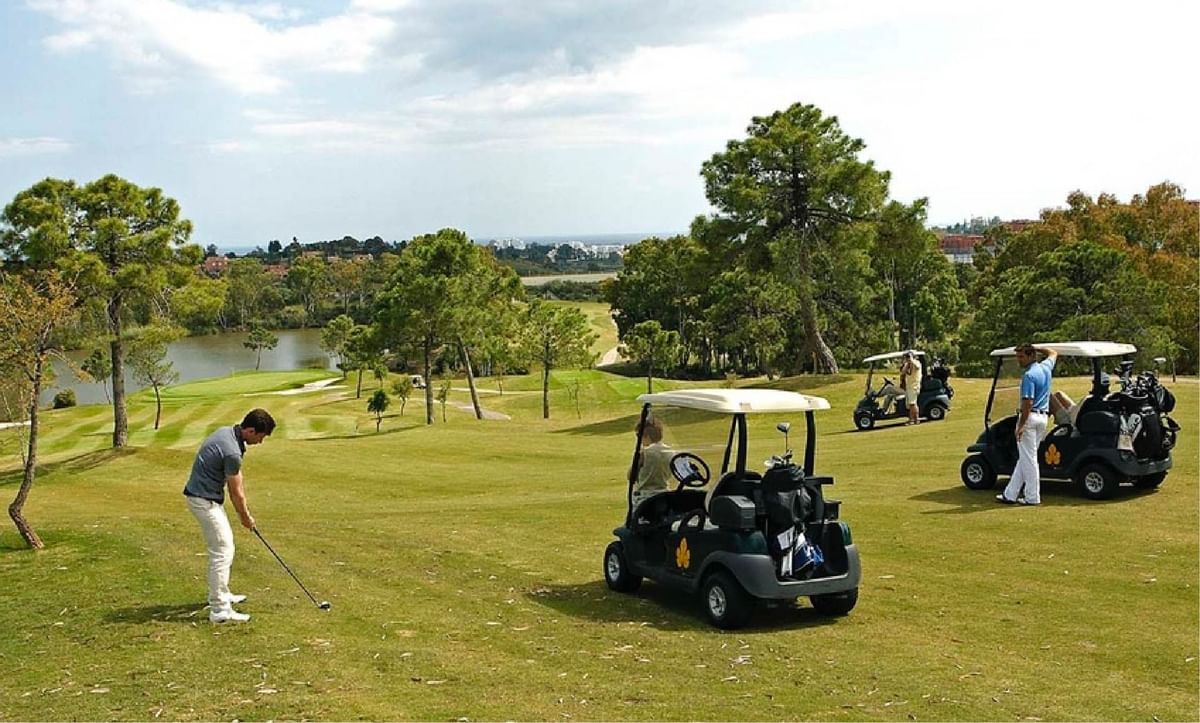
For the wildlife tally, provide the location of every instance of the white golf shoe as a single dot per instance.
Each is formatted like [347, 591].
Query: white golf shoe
[228, 616]
[235, 599]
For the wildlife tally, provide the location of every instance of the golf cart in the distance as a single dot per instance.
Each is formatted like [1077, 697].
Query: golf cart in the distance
[933, 399]
[737, 537]
[1102, 440]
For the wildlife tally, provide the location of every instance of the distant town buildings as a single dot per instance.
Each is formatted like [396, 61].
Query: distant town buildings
[960, 248]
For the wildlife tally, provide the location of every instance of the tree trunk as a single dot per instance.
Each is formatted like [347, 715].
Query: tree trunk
[823, 360]
[649, 380]
[546, 381]
[157, 407]
[427, 349]
[14, 510]
[257, 358]
[462, 349]
[893, 327]
[120, 419]
[358, 388]
[378, 421]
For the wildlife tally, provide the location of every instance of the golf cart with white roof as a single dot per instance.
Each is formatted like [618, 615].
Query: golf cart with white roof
[933, 399]
[1099, 442]
[740, 536]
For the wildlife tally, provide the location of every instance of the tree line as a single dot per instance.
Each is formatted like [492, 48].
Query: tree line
[808, 266]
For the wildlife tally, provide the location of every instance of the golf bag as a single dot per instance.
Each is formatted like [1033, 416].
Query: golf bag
[790, 504]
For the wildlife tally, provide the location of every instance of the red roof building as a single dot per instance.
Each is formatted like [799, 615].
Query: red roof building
[959, 247]
[214, 266]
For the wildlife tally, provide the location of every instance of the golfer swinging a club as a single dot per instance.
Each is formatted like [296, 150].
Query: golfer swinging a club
[218, 464]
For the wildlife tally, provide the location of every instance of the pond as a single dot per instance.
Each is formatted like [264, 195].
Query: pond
[201, 357]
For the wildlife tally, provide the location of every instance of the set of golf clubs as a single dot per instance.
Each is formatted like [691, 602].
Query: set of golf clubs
[324, 604]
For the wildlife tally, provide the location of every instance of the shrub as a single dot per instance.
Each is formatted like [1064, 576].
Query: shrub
[65, 398]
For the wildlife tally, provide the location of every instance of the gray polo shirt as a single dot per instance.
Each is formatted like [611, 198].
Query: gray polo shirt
[219, 457]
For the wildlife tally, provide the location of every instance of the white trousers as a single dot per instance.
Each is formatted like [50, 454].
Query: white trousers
[1026, 473]
[218, 537]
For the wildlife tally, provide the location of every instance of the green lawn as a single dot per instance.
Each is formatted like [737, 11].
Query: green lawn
[463, 564]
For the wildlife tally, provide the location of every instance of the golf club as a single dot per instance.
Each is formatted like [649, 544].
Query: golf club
[324, 605]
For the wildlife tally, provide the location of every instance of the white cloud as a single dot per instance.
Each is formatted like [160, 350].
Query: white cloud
[653, 96]
[152, 38]
[32, 146]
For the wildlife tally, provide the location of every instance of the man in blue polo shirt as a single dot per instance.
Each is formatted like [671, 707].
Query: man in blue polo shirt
[218, 464]
[1031, 425]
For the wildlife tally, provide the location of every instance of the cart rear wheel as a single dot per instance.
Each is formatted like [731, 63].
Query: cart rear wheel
[1150, 481]
[936, 413]
[1097, 481]
[725, 602]
[838, 603]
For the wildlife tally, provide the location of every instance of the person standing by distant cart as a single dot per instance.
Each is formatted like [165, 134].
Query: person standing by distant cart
[910, 381]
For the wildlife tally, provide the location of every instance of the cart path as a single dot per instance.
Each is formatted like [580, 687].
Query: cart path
[612, 356]
[314, 386]
[487, 413]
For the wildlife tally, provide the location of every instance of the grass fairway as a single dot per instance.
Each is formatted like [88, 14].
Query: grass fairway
[463, 564]
[599, 315]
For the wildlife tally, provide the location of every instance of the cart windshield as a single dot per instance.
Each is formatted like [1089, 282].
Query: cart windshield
[708, 436]
[1072, 381]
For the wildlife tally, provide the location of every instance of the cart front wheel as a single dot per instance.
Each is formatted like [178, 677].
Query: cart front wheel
[977, 474]
[616, 570]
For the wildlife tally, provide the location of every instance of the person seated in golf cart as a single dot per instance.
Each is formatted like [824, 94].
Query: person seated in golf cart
[654, 462]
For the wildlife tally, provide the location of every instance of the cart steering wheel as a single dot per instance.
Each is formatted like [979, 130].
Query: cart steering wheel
[690, 470]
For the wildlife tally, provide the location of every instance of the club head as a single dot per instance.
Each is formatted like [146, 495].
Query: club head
[325, 605]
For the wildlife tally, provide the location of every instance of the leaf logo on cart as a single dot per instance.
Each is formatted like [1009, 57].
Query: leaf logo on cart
[1053, 456]
[683, 556]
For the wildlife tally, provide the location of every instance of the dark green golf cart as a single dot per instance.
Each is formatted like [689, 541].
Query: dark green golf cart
[739, 537]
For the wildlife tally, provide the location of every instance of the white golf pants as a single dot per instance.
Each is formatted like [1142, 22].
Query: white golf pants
[1026, 473]
[218, 536]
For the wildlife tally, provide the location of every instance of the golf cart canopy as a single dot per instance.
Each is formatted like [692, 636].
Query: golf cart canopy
[737, 401]
[893, 355]
[1089, 349]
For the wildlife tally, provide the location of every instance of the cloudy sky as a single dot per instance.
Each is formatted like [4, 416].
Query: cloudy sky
[321, 118]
